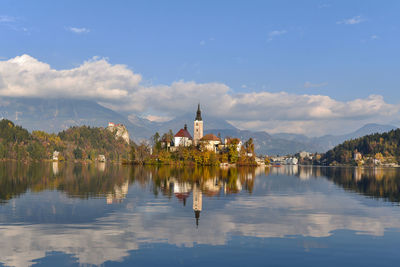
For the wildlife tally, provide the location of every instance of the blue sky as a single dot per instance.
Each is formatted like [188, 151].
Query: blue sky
[342, 49]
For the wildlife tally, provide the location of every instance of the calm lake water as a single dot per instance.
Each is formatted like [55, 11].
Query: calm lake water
[70, 215]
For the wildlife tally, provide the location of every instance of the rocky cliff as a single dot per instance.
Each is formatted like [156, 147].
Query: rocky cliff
[119, 130]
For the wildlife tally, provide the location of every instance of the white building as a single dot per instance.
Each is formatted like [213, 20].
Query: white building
[291, 161]
[183, 138]
[357, 156]
[198, 127]
[238, 142]
[304, 154]
[55, 155]
[210, 142]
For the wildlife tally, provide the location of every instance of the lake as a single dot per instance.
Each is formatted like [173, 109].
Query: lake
[54, 214]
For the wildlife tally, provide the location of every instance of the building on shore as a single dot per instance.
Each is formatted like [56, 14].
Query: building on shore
[233, 141]
[183, 138]
[210, 142]
[166, 142]
[357, 155]
[101, 158]
[55, 155]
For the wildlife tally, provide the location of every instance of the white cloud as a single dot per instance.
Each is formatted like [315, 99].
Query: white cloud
[351, 21]
[7, 19]
[118, 87]
[276, 33]
[313, 213]
[314, 85]
[158, 118]
[273, 34]
[374, 37]
[78, 30]
[13, 23]
[96, 78]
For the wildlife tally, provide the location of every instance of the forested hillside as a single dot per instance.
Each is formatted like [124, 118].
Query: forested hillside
[76, 143]
[383, 147]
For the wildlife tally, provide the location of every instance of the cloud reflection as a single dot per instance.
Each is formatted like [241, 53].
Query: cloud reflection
[308, 208]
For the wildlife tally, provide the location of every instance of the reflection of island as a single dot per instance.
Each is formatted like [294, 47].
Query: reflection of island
[208, 181]
[77, 181]
[55, 167]
[197, 202]
[119, 193]
[311, 209]
[101, 166]
[212, 186]
[315, 212]
[85, 181]
[181, 189]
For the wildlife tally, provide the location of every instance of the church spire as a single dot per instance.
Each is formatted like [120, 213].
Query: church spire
[197, 216]
[198, 115]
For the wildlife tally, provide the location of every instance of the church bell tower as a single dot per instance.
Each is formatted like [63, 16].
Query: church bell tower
[198, 127]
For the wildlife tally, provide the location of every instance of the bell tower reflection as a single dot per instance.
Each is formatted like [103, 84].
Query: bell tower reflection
[197, 202]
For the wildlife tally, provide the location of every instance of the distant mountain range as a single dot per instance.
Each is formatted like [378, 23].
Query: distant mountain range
[54, 115]
[326, 142]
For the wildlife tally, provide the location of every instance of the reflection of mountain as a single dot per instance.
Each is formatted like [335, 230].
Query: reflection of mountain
[80, 181]
[280, 206]
[383, 183]
[373, 182]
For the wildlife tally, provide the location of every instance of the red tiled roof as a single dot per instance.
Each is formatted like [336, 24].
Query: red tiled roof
[210, 137]
[183, 133]
[182, 196]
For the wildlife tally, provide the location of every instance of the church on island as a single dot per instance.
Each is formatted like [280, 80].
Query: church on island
[209, 142]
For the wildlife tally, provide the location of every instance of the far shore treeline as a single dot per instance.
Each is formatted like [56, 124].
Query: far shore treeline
[76, 143]
[86, 143]
[372, 150]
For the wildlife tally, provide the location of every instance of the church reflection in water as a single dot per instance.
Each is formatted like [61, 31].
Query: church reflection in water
[112, 182]
[210, 184]
[100, 213]
[197, 202]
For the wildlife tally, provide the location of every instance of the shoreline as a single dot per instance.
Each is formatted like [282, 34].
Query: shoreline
[192, 164]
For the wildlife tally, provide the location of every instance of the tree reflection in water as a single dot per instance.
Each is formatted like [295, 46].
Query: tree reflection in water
[112, 181]
[287, 204]
[382, 183]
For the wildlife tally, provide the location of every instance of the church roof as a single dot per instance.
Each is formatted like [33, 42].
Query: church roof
[183, 133]
[210, 137]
